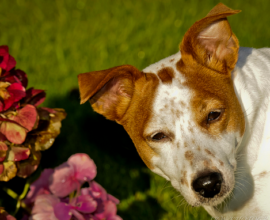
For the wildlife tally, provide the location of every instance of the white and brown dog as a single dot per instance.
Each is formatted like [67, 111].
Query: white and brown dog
[199, 118]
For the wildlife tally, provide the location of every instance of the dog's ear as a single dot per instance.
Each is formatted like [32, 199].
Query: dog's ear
[109, 91]
[211, 42]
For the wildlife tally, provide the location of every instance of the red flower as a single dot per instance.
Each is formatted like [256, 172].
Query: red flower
[7, 62]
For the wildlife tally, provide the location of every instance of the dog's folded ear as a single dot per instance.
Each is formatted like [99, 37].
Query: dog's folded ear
[211, 42]
[109, 91]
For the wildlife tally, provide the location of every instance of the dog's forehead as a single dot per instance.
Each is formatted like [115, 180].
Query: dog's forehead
[172, 97]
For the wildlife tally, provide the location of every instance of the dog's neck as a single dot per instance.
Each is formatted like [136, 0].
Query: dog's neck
[251, 88]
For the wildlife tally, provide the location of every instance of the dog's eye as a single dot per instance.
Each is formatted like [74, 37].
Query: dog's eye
[212, 116]
[158, 136]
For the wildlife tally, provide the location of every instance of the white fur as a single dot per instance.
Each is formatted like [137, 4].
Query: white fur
[248, 182]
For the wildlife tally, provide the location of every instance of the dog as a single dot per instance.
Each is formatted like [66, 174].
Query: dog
[199, 118]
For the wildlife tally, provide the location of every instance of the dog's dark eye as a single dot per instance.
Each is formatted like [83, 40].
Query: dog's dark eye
[158, 136]
[212, 116]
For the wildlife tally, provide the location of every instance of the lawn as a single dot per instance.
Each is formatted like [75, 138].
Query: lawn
[54, 41]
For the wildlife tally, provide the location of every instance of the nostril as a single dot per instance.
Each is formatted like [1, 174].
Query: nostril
[208, 185]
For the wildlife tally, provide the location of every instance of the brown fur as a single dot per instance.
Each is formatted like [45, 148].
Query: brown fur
[139, 113]
[166, 75]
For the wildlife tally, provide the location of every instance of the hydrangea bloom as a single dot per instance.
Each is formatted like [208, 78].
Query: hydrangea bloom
[50, 195]
[25, 130]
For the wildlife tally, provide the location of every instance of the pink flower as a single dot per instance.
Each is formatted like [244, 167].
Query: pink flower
[78, 169]
[7, 62]
[49, 207]
[39, 187]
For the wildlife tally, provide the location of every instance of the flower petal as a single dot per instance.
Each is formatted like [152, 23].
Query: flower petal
[43, 207]
[9, 172]
[39, 187]
[35, 96]
[18, 153]
[8, 62]
[1, 168]
[17, 90]
[85, 168]
[21, 75]
[108, 212]
[26, 117]
[3, 151]
[13, 132]
[62, 211]
[27, 167]
[86, 204]
[62, 181]
[113, 199]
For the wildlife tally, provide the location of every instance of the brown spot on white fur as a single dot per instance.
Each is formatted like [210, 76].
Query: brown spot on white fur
[209, 152]
[189, 155]
[185, 144]
[171, 60]
[221, 163]
[184, 178]
[262, 174]
[166, 74]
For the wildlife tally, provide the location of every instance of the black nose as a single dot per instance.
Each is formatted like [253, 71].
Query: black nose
[208, 185]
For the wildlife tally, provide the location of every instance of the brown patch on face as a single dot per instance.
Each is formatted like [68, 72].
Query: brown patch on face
[139, 114]
[209, 152]
[221, 163]
[185, 144]
[198, 148]
[171, 60]
[184, 179]
[166, 74]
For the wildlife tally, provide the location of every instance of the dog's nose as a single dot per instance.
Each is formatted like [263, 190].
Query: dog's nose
[208, 185]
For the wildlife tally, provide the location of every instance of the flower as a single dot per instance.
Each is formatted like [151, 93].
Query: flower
[7, 62]
[25, 129]
[78, 169]
[48, 194]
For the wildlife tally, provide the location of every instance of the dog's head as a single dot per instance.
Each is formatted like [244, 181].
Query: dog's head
[182, 113]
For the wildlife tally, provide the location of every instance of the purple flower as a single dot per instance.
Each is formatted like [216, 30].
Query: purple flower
[78, 169]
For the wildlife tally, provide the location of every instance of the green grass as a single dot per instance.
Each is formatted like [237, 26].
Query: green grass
[53, 41]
